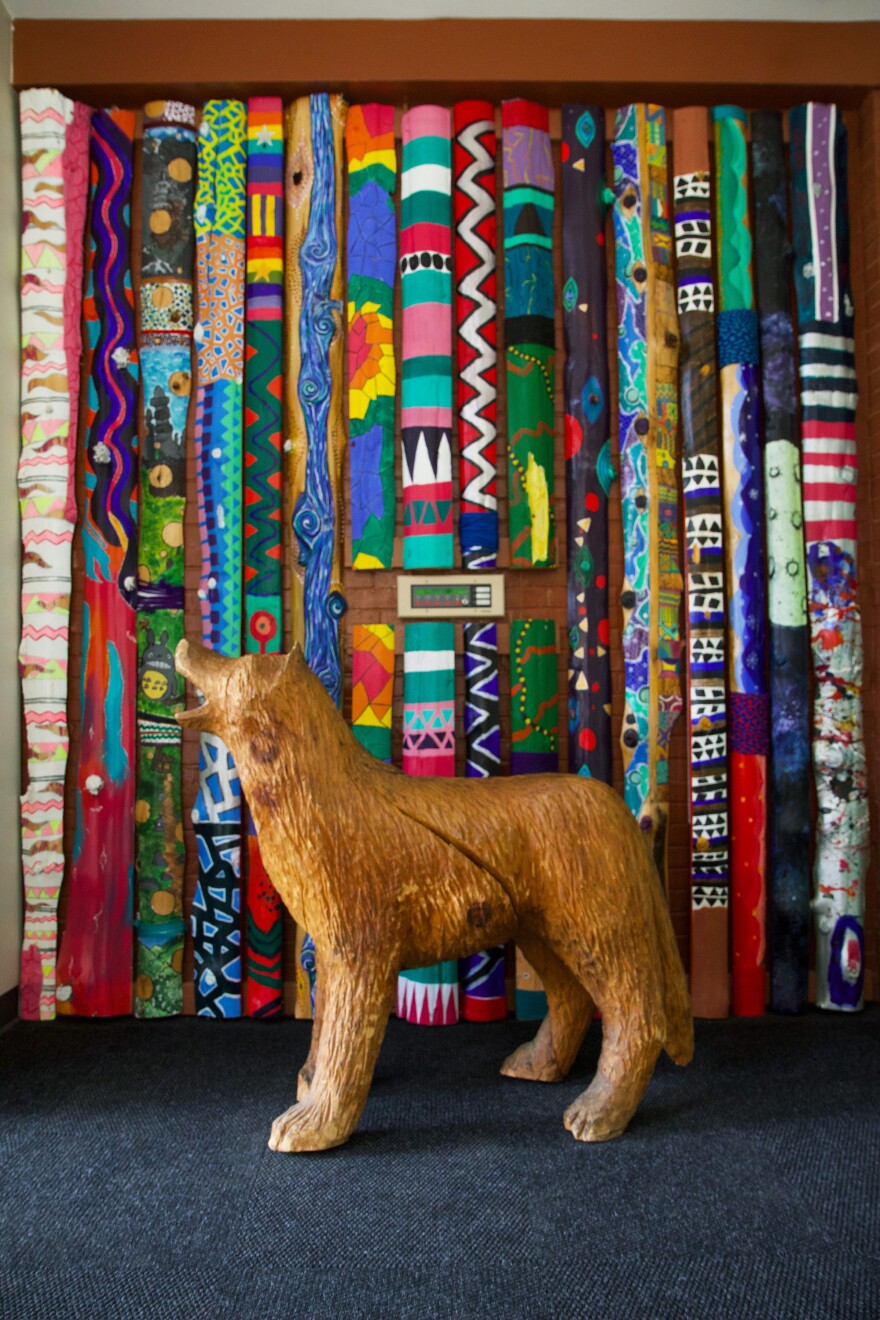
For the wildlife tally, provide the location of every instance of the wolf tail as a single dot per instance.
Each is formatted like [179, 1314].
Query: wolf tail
[679, 1043]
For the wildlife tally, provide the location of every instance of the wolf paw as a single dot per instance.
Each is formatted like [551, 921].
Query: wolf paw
[595, 1117]
[532, 1062]
[304, 1126]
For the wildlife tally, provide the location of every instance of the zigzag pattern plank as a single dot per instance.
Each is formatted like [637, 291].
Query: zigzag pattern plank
[54, 179]
[263, 631]
[828, 396]
[95, 960]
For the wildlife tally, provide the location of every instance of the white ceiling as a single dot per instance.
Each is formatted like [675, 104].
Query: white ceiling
[772, 10]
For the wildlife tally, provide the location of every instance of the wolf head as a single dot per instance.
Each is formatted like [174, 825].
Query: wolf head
[241, 695]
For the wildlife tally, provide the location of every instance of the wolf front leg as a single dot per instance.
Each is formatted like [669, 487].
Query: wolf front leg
[356, 997]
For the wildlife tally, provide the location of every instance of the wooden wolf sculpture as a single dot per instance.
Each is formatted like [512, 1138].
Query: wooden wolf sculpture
[388, 872]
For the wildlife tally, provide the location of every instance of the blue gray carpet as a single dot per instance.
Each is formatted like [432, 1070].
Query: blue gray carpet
[135, 1179]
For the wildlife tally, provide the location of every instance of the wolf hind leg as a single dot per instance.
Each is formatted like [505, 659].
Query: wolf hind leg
[550, 1054]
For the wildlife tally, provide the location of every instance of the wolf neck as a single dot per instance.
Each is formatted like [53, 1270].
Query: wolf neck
[297, 766]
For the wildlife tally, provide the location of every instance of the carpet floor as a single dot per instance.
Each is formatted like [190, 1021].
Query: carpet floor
[135, 1179]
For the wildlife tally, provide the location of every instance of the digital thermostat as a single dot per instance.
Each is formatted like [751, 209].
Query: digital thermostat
[470, 596]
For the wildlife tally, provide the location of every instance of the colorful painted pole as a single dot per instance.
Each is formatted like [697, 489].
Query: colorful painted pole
[830, 462]
[219, 336]
[589, 467]
[54, 184]
[534, 749]
[429, 995]
[426, 297]
[647, 360]
[789, 831]
[372, 374]
[95, 961]
[165, 307]
[704, 540]
[372, 687]
[748, 704]
[529, 332]
[263, 632]
[315, 345]
[482, 975]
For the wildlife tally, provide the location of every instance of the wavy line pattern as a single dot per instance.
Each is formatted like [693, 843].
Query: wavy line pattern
[95, 961]
[54, 177]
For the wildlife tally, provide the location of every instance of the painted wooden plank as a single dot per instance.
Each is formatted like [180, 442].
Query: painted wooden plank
[529, 331]
[315, 127]
[165, 316]
[263, 627]
[483, 994]
[426, 371]
[372, 372]
[708, 805]
[828, 397]
[54, 191]
[372, 687]
[534, 749]
[589, 466]
[219, 336]
[748, 703]
[95, 961]
[647, 362]
[789, 830]
[428, 996]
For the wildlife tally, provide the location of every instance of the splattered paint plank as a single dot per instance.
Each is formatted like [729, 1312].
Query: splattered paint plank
[748, 704]
[54, 185]
[263, 631]
[534, 749]
[589, 467]
[165, 306]
[219, 335]
[95, 962]
[704, 541]
[647, 361]
[828, 399]
[482, 975]
[429, 995]
[789, 831]
[315, 344]
[372, 687]
[426, 371]
[372, 373]
[529, 331]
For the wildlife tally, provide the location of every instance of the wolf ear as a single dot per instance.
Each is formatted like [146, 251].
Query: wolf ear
[295, 659]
